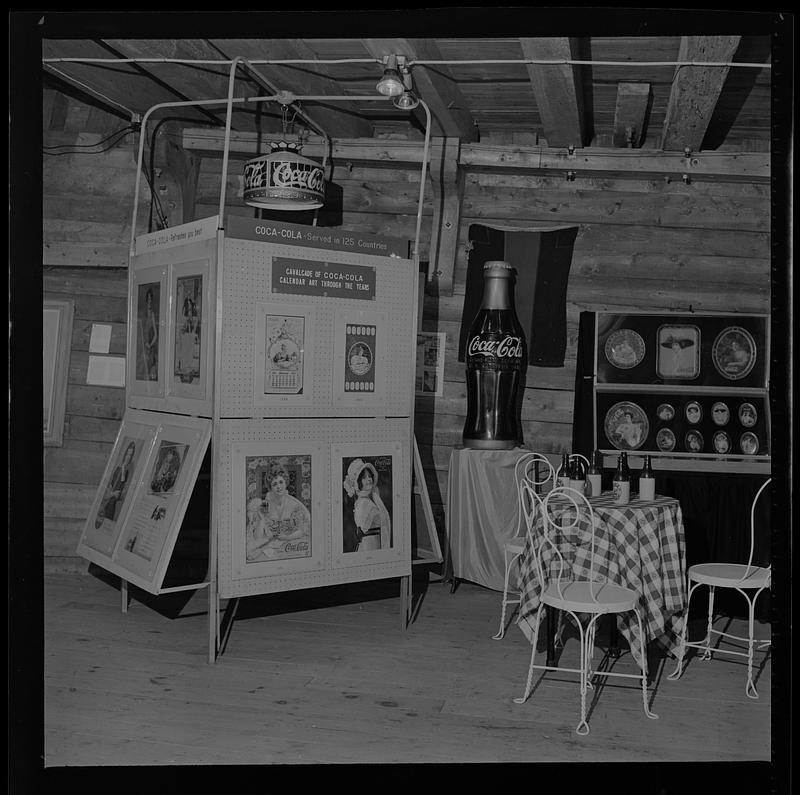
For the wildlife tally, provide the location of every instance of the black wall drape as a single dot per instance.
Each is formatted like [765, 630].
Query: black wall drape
[542, 261]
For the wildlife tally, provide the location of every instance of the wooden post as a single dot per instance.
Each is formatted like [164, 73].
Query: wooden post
[448, 190]
[123, 589]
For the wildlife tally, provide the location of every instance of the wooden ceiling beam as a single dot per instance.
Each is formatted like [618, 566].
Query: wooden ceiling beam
[434, 85]
[338, 119]
[696, 90]
[557, 89]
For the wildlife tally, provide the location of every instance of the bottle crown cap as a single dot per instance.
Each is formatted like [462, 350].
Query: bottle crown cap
[497, 267]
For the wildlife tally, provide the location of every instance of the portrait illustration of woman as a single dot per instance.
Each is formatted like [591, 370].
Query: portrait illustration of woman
[279, 525]
[371, 526]
[117, 486]
[167, 468]
[148, 369]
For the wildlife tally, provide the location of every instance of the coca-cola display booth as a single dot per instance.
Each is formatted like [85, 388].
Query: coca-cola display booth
[291, 351]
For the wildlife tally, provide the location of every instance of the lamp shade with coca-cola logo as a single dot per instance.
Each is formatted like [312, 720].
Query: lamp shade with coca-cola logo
[284, 180]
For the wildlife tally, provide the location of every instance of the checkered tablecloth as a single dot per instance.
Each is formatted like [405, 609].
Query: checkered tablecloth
[640, 546]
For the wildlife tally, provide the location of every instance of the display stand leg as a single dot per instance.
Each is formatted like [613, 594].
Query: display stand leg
[123, 589]
[405, 599]
[226, 622]
[213, 622]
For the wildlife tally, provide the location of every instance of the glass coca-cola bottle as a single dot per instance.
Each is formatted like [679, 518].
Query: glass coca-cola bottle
[495, 356]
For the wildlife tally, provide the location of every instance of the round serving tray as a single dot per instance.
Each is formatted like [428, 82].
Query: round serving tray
[626, 425]
[624, 348]
[734, 353]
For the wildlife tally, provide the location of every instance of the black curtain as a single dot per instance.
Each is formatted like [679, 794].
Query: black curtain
[541, 261]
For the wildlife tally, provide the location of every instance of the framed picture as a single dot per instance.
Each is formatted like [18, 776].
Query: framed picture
[168, 476]
[189, 357]
[359, 358]
[284, 355]
[120, 480]
[142, 497]
[279, 513]
[56, 344]
[366, 505]
[430, 363]
[147, 331]
[678, 352]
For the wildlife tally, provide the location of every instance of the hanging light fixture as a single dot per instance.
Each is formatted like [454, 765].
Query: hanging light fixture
[284, 179]
[406, 100]
[391, 84]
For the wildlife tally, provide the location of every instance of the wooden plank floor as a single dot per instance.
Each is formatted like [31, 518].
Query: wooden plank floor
[329, 676]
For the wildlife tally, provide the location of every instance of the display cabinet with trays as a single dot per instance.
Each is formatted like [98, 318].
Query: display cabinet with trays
[691, 390]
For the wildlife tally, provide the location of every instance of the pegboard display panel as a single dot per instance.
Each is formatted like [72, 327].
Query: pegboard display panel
[171, 319]
[358, 351]
[291, 495]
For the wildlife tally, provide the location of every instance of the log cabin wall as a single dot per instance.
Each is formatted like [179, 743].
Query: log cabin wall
[643, 243]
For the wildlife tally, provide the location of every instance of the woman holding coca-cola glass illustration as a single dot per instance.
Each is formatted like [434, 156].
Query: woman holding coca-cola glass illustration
[372, 520]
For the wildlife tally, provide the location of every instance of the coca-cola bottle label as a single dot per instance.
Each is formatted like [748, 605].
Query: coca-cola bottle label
[490, 351]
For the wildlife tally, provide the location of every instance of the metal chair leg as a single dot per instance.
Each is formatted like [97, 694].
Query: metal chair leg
[750, 688]
[681, 653]
[502, 631]
[707, 641]
[643, 652]
[533, 657]
[585, 636]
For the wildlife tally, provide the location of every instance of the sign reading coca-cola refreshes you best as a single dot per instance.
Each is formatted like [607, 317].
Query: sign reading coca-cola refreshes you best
[328, 279]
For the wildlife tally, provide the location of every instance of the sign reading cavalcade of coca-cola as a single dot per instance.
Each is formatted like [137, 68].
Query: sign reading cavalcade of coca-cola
[495, 358]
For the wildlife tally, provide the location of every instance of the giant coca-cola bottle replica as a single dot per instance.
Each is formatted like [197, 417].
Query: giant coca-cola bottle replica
[495, 356]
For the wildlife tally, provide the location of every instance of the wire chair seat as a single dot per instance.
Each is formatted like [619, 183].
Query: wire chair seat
[576, 597]
[731, 575]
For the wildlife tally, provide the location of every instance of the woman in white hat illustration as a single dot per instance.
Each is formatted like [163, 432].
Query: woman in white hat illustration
[373, 524]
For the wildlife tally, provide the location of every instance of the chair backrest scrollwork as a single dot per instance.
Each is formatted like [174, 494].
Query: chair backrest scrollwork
[749, 569]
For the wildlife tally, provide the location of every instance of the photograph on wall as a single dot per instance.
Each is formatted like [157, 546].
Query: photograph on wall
[430, 363]
[279, 515]
[366, 499]
[285, 347]
[678, 353]
[734, 353]
[283, 351]
[117, 487]
[148, 320]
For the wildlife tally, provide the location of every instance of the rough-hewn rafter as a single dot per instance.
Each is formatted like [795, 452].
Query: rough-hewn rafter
[340, 119]
[696, 90]
[557, 89]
